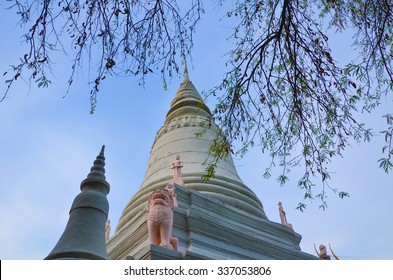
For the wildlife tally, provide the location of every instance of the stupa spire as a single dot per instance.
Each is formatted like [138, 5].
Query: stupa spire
[218, 219]
[179, 136]
[186, 78]
[84, 235]
[187, 101]
[96, 178]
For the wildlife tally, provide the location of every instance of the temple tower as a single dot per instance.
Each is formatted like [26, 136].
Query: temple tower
[84, 235]
[218, 219]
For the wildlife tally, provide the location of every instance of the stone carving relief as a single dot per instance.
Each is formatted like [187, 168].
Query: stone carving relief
[160, 217]
[283, 216]
[185, 121]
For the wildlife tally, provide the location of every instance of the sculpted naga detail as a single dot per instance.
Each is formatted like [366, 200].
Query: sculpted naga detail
[160, 217]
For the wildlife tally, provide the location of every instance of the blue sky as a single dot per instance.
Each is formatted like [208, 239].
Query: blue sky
[48, 144]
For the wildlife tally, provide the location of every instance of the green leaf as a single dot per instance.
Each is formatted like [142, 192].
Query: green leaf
[282, 179]
[267, 174]
[301, 207]
[385, 164]
[342, 195]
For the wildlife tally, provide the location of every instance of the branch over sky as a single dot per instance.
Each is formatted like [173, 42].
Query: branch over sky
[283, 89]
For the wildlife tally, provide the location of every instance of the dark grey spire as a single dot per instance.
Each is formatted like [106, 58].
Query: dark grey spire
[84, 235]
[96, 178]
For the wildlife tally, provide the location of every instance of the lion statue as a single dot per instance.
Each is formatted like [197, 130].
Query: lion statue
[160, 217]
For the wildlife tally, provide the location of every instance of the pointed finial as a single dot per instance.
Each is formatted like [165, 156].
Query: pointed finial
[96, 178]
[186, 78]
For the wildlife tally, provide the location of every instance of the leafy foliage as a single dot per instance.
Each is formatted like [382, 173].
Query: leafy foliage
[285, 91]
[122, 37]
[386, 163]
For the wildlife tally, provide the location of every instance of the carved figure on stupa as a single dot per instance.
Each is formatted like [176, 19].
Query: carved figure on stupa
[283, 216]
[322, 254]
[176, 167]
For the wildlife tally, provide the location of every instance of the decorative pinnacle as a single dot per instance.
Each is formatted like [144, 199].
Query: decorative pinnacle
[102, 151]
[96, 177]
[99, 164]
[186, 78]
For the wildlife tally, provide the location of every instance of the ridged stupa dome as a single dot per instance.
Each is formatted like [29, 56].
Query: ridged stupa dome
[178, 136]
